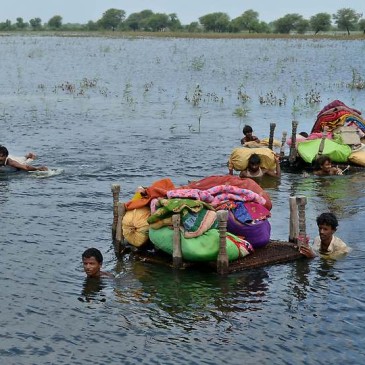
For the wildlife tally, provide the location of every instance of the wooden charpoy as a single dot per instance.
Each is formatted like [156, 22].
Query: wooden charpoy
[275, 252]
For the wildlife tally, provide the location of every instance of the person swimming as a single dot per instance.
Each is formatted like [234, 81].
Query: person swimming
[6, 160]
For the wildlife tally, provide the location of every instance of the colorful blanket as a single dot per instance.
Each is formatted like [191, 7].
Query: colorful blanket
[234, 180]
[218, 194]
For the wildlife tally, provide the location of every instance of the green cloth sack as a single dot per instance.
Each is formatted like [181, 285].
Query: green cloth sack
[308, 150]
[201, 248]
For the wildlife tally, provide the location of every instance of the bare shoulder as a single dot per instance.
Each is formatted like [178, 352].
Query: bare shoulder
[106, 274]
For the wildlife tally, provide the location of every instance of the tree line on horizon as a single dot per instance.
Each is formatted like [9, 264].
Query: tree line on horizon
[345, 19]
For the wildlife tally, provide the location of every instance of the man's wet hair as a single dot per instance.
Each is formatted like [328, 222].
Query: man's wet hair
[93, 252]
[328, 219]
[304, 134]
[254, 159]
[320, 161]
[4, 151]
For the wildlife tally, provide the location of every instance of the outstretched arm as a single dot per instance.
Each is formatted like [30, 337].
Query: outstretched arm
[307, 251]
[24, 167]
[277, 172]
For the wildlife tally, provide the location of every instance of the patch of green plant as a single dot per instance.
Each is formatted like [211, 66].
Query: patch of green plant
[272, 99]
[196, 98]
[357, 81]
[198, 63]
[242, 96]
[312, 97]
[240, 112]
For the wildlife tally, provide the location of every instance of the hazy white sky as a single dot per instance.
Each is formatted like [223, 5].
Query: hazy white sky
[81, 11]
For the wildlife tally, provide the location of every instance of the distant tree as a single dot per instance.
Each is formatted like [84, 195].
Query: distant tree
[250, 21]
[235, 25]
[132, 22]
[74, 27]
[194, 27]
[174, 22]
[145, 15]
[287, 23]
[346, 19]
[112, 19]
[320, 22]
[216, 22]
[138, 21]
[302, 25]
[36, 23]
[92, 26]
[157, 22]
[20, 24]
[6, 25]
[55, 22]
[361, 25]
[263, 27]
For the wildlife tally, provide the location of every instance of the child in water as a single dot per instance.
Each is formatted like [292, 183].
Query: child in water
[326, 244]
[324, 167]
[92, 260]
[254, 169]
[248, 135]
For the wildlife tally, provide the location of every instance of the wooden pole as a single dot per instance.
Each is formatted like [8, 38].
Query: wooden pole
[177, 261]
[323, 141]
[222, 259]
[271, 136]
[301, 203]
[119, 238]
[293, 147]
[283, 141]
[293, 220]
[115, 191]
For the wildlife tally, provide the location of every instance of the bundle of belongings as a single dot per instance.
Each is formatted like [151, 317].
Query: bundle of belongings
[149, 214]
[238, 159]
[337, 131]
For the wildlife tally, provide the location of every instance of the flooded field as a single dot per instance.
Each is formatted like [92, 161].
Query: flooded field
[100, 111]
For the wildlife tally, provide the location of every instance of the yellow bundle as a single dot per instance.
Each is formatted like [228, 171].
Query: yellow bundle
[135, 226]
[238, 159]
[357, 157]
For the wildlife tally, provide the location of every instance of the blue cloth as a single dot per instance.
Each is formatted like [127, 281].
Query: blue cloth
[241, 213]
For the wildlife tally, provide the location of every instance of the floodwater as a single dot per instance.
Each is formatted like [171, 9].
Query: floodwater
[100, 111]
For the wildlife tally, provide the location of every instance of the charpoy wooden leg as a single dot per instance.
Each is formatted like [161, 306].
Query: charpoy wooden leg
[271, 135]
[119, 237]
[176, 253]
[293, 220]
[302, 237]
[222, 260]
[293, 147]
[283, 141]
[115, 191]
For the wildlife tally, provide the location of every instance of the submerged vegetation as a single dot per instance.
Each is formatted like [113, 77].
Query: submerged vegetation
[357, 82]
[254, 82]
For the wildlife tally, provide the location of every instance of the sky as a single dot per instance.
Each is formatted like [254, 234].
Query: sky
[81, 11]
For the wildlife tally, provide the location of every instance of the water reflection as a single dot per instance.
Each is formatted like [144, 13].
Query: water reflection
[326, 269]
[194, 292]
[267, 182]
[4, 188]
[341, 195]
[300, 284]
[93, 290]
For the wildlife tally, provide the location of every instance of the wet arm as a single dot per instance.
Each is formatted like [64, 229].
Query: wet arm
[277, 172]
[307, 252]
[25, 167]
